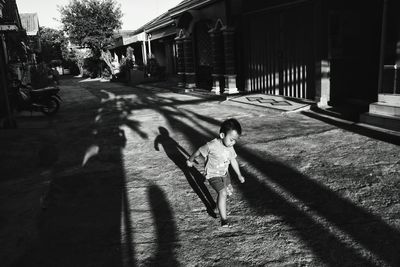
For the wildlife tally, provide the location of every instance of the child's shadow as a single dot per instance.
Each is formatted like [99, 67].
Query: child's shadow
[179, 156]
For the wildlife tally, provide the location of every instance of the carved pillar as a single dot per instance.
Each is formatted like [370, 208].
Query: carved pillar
[323, 85]
[180, 61]
[217, 51]
[190, 75]
[229, 53]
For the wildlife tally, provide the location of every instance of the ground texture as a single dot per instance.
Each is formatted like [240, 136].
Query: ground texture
[104, 183]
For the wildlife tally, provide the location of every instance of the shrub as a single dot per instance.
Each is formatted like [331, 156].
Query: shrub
[91, 67]
[106, 73]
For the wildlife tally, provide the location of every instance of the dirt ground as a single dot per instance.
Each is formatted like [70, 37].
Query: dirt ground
[104, 183]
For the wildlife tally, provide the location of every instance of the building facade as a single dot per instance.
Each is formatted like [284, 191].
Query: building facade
[12, 53]
[334, 52]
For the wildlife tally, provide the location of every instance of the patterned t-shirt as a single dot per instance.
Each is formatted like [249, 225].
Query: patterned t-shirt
[218, 157]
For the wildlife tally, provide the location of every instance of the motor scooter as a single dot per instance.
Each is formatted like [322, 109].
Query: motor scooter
[45, 100]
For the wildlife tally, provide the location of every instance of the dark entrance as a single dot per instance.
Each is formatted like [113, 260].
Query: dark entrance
[278, 54]
[203, 56]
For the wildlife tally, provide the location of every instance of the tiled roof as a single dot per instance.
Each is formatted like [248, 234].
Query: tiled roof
[30, 22]
[166, 18]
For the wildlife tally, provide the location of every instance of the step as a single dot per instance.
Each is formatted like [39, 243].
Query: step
[379, 120]
[344, 113]
[390, 99]
[394, 134]
[382, 108]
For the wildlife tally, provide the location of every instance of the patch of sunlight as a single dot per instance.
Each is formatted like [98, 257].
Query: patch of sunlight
[110, 96]
[98, 118]
[90, 80]
[93, 150]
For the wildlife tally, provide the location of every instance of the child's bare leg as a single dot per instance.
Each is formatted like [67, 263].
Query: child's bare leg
[221, 201]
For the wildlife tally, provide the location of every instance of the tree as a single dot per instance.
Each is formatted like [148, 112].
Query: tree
[91, 23]
[54, 45]
[79, 56]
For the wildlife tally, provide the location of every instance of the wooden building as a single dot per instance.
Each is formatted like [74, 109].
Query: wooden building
[12, 51]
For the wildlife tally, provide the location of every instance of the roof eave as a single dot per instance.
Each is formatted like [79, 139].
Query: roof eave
[170, 22]
[178, 10]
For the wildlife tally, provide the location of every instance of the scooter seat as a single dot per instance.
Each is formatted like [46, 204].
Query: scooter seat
[45, 91]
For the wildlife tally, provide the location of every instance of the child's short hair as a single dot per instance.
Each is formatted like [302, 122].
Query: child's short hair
[230, 125]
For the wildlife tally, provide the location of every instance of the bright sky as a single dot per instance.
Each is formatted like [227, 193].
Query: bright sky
[135, 12]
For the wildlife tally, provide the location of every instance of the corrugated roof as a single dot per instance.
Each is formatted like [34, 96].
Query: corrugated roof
[30, 22]
[11, 14]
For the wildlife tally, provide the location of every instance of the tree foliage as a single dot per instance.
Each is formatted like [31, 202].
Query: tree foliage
[54, 45]
[91, 23]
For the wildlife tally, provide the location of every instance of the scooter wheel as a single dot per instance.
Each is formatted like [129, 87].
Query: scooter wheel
[51, 107]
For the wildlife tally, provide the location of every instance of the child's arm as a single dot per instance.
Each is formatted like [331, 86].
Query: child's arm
[235, 167]
[190, 160]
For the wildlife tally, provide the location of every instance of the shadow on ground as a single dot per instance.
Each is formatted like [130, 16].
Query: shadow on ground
[366, 229]
[87, 219]
[178, 155]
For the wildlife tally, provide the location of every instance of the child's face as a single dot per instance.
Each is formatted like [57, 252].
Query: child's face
[230, 138]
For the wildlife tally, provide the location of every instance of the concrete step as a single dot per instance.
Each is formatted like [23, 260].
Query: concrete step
[382, 108]
[389, 99]
[345, 113]
[383, 121]
[394, 134]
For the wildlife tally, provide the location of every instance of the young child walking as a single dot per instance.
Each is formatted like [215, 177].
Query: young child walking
[219, 153]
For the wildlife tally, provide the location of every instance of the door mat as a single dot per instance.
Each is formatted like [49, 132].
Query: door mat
[272, 101]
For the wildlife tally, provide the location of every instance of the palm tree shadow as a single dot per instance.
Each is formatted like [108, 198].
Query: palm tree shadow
[87, 220]
[379, 238]
[263, 200]
[165, 228]
[178, 155]
[365, 228]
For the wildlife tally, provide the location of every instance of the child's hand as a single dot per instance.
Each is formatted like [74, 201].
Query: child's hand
[241, 179]
[189, 163]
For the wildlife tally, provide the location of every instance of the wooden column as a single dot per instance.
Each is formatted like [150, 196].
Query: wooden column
[217, 51]
[180, 61]
[190, 75]
[229, 58]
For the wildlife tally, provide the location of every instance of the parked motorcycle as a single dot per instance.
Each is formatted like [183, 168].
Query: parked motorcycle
[44, 100]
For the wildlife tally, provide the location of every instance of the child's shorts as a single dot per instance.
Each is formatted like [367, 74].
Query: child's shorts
[220, 182]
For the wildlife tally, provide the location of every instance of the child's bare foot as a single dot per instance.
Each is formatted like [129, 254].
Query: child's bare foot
[225, 224]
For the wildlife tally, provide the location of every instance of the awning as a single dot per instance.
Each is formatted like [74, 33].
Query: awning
[163, 33]
[122, 41]
[133, 39]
